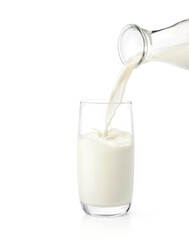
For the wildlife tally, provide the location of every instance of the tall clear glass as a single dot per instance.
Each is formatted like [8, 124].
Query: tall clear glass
[105, 164]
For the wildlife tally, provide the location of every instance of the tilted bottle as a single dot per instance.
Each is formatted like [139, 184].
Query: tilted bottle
[170, 45]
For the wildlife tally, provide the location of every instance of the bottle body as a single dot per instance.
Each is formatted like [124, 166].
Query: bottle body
[170, 45]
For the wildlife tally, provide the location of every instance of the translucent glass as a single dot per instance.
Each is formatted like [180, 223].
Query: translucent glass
[105, 165]
[170, 45]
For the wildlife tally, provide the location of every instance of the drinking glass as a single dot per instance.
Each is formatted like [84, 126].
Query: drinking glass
[105, 164]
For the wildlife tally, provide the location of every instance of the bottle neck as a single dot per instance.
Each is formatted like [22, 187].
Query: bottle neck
[170, 45]
[147, 45]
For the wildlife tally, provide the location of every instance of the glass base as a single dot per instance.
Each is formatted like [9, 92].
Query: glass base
[106, 211]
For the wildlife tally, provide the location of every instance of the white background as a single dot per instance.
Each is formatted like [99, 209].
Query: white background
[54, 54]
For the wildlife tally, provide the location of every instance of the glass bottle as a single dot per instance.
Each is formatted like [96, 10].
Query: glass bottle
[170, 45]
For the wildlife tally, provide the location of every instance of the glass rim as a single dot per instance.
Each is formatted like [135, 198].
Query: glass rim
[104, 101]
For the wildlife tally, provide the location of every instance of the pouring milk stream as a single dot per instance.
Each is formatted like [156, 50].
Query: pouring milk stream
[136, 46]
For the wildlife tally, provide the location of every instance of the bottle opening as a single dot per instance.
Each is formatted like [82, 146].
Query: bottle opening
[131, 44]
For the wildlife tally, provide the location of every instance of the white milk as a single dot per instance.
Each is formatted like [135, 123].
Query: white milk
[105, 161]
[119, 90]
[176, 55]
[105, 168]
